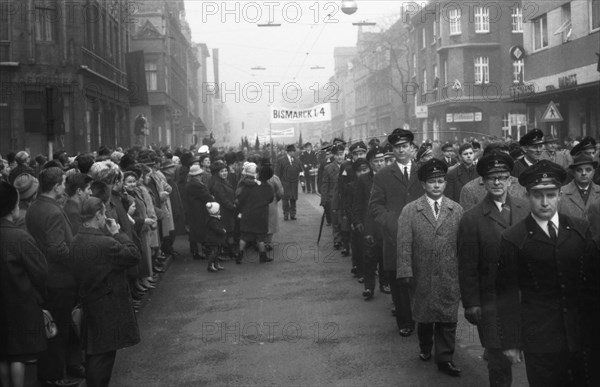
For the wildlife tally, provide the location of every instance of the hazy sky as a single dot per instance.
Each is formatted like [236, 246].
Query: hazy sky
[306, 38]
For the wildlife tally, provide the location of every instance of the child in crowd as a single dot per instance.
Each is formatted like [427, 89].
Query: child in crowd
[215, 238]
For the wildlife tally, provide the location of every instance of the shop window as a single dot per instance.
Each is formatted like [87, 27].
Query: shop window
[540, 33]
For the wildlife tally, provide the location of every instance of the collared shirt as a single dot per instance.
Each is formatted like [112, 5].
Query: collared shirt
[290, 158]
[529, 164]
[498, 204]
[401, 166]
[544, 223]
[432, 205]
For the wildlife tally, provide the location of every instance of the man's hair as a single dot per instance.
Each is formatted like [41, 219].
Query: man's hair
[464, 147]
[100, 190]
[105, 171]
[90, 207]
[84, 162]
[49, 177]
[76, 181]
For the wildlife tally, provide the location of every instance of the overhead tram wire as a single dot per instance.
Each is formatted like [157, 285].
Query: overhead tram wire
[309, 51]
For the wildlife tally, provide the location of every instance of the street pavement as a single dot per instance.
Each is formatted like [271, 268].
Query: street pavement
[297, 321]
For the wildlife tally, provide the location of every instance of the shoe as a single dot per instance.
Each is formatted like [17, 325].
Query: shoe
[62, 383]
[361, 280]
[353, 270]
[211, 268]
[385, 289]
[425, 356]
[159, 269]
[269, 247]
[219, 267]
[345, 253]
[393, 310]
[264, 258]
[293, 217]
[405, 332]
[336, 246]
[449, 368]
[367, 294]
[76, 371]
[285, 217]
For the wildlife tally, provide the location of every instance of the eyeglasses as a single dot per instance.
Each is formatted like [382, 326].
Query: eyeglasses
[500, 179]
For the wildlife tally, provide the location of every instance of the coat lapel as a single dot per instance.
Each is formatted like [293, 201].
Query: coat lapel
[490, 210]
[397, 173]
[424, 208]
[446, 210]
[536, 232]
[572, 194]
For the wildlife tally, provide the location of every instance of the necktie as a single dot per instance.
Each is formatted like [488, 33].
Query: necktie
[406, 172]
[552, 231]
[436, 206]
[505, 213]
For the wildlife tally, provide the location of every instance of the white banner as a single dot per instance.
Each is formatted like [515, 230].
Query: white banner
[317, 113]
[289, 132]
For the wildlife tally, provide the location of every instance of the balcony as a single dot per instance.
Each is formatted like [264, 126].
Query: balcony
[103, 68]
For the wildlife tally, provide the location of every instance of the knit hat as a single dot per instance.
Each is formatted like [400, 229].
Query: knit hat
[213, 208]
[27, 185]
[249, 169]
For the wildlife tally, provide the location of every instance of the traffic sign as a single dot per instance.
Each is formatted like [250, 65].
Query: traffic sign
[552, 114]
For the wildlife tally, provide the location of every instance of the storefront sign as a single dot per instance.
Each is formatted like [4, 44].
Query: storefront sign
[421, 111]
[524, 90]
[45, 79]
[464, 117]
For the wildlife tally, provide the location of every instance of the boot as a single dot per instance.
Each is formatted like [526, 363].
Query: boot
[238, 258]
[211, 268]
[264, 258]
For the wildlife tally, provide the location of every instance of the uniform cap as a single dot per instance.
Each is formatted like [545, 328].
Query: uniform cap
[432, 169]
[375, 153]
[533, 137]
[585, 143]
[543, 175]
[358, 147]
[400, 136]
[495, 162]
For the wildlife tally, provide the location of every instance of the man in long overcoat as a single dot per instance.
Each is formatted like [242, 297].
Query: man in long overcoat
[288, 171]
[479, 252]
[579, 195]
[394, 187]
[539, 284]
[329, 192]
[309, 164]
[428, 261]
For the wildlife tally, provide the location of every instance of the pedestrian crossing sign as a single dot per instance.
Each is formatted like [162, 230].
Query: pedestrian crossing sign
[552, 114]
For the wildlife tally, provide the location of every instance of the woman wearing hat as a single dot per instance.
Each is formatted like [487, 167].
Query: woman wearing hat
[27, 185]
[197, 195]
[23, 273]
[224, 194]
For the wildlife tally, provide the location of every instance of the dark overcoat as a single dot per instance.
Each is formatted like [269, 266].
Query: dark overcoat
[427, 253]
[478, 256]
[216, 232]
[520, 166]
[253, 202]
[73, 210]
[289, 174]
[360, 206]
[390, 193]
[539, 286]
[329, 185]
[457, 178]
[48, 224]
[23, 275]
[101, 261]
[197, 195]
[224, 194]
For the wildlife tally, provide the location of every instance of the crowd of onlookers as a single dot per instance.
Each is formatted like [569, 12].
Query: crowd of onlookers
[94, 232]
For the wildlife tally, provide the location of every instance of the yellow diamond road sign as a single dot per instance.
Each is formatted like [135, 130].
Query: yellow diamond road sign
[551, 114]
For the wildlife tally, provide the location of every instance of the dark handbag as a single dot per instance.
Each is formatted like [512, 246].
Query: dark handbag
[49, 325]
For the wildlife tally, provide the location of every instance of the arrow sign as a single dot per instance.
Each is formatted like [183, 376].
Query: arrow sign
[552, 114]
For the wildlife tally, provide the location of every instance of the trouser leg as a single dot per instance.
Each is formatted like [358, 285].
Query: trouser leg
[99, 369]
[558, 369]
[285, 204]
[425, 335]
[292, 207]
[370, 265]
[445, 339]
[401, 299]
[499, 368]
[358, 253]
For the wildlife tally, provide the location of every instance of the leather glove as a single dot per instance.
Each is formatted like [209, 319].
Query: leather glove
[514, 355]
[360, 228]
[473, 314]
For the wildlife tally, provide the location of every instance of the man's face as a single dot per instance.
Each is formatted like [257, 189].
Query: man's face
[206, 162]
[544, 202]
[551, 146]
[496, 184]
[308, 149]
[60, 187]
[583, 174]
[434, 187]
[467, 157]
[292, 153]
[403, 152]
[359, 154]
[85, 193]
[448, 153]
[378, 163]
[534, 152]
[390, 160]
[339, 157]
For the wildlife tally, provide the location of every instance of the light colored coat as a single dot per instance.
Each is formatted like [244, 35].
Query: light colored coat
[571, 202]
[160, 180]
[427, 252]
[274, 206]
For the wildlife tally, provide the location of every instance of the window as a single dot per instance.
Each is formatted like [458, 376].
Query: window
[423, 37]
[518, 71]
[414, 65]
[445, 72]
[565, 28]
[151, 76]
[32, 112]
[482, 20]
[594, 15]
[540, 33]
[454, 18]
[4, 35]
[482, 70]
[434, 31]
[436, 76]
[45, 19]
[424, 84]
[517, 19]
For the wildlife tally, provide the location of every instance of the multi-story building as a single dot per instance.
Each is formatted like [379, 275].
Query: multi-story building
[62, 75]
[342, 109]
[462, 69]
[561, 40]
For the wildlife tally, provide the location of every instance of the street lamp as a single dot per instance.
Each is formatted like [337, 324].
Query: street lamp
[349, 6]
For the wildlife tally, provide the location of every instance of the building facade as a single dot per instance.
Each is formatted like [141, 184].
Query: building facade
[62, 75]
[561, 40]
[463, 71]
